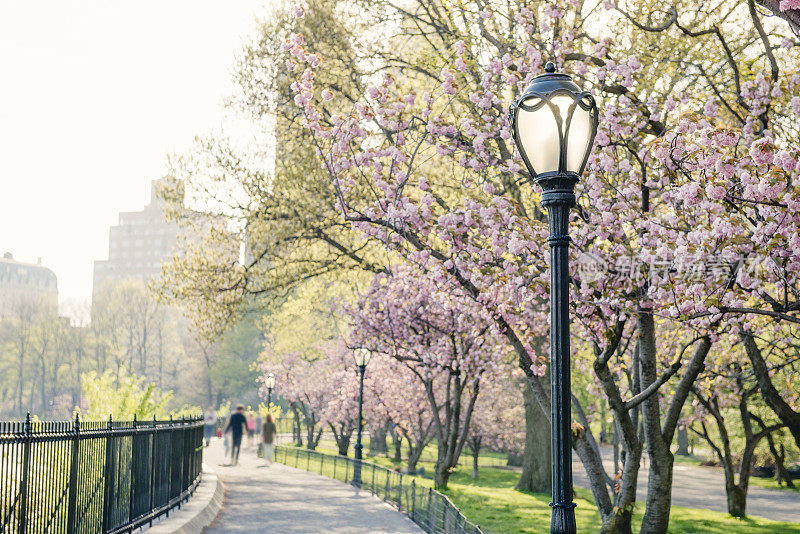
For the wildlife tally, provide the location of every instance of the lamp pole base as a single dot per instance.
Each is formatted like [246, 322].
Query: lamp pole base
[562, 520]
[357, 466]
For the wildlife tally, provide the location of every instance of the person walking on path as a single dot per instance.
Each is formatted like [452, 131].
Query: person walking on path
[209, 424]
[236, 424]
[259, 422]
[251, 428]
[268, 433]
[226, 441]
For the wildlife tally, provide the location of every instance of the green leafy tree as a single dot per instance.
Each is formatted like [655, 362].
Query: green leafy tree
[123, 396]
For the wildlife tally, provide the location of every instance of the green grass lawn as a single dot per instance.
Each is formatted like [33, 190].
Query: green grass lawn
[771, 483]
[492, 503]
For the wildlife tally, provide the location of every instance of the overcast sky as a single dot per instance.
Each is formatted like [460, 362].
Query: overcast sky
[93, 96]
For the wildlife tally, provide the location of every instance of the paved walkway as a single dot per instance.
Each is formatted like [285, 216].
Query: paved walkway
[287, 500]
[704, 487]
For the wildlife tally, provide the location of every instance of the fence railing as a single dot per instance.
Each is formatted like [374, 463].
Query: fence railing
[428, 508]
[78, 477]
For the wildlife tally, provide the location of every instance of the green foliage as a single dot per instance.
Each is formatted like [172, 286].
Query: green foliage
[123, 396]
[233, 372]
[273, 409]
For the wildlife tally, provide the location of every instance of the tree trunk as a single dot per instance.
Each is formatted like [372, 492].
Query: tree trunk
[441, 475]
[43, 391]
[659, 495]
[659, 484]
[397, 441]
[414, 454]
[377, 439]
[618, 523]
[683, 441]
[297, 435]
[343, 444]
[771, 395]
[536, 464]
[475, 451]
[780, 463]
[737, 500]
[311, 439]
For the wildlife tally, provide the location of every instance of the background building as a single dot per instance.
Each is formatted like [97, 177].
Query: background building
[31, 282]
[137, 246]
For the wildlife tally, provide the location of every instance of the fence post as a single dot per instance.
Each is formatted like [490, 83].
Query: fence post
[108, 470]
[430, 510]
[26, 460]
[73, 478]
[169, 461]
[414, 501]
[372, 488]
[132, 492]
[400, 494]
[182, 473]
[152, 469]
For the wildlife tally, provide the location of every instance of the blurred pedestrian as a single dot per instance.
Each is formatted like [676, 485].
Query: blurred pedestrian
[259, 422]
[237, 425]
[251, 428]
[209, 424]
[268, 433]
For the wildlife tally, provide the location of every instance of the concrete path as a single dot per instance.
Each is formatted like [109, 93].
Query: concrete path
[287, 500]
[704, 487]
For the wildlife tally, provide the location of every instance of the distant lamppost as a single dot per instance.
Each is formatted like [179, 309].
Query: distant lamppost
[362, 357]
[270, 383]
[553, 124]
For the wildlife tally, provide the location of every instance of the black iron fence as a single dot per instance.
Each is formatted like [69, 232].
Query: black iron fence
[428, 508]
[79, 477]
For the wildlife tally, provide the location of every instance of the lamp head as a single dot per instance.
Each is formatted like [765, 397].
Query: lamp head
[362, 356]
[553, 124]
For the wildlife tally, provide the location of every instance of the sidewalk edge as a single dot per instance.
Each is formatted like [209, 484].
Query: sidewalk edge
[199, 512]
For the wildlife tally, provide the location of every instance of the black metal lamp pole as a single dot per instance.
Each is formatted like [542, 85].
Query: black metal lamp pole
[270, 383]
[553, 125]
[362, 358]
[558, 202]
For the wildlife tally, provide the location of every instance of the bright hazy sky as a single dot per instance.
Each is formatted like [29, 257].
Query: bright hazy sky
[93, 96]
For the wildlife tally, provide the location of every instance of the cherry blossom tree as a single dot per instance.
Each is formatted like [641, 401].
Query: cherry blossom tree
[397, 396]
[497, 422]
[441, 337]
[720, 396]
[631, 205]
[341, 412]
[322, 391]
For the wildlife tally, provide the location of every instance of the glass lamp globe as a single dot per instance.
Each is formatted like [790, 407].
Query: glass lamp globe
[553, 124]
[362, 356]
[270, 381]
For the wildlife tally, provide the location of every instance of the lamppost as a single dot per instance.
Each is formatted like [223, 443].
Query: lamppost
[270, 383]
[362, 356]
[553, 124]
